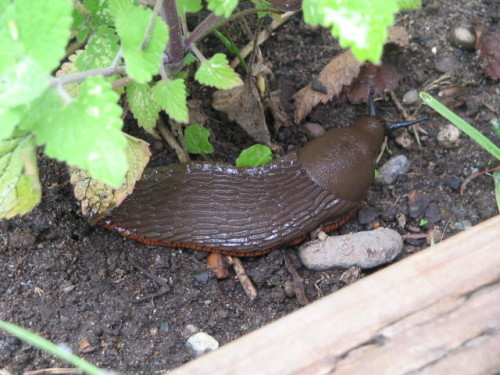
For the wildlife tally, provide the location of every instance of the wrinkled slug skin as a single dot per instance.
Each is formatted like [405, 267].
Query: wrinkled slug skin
[245, 211]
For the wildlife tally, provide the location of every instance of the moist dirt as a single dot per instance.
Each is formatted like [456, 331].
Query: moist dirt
[129, 307]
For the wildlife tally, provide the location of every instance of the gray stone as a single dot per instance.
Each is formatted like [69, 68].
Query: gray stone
[201, 343]
[363, 249]
[392, 169]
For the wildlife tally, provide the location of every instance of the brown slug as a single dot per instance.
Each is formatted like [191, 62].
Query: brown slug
[248, 211]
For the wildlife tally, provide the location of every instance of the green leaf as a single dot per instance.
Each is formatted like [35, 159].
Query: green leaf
[254, 156]
[216, 72]
[144, 109]
[196, 137]
[20, 189]
[100, 12]
[132, 24]
[85, 133]
[188, 6]
[100, 50]
[358, 24]
[263, 4]
[222, 7]
[9, 118]
[171, 96]
[409, 4]
[44, 29]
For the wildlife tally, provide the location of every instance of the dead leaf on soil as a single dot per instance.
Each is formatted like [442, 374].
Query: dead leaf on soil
[97, 198]
[488, 45]
[243, 105]
[341, 71]
[380, 77]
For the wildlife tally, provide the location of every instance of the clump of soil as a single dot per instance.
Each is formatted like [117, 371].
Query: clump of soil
[84, 286]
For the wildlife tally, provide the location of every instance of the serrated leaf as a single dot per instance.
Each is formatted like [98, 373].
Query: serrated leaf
[131, 24]
[196, 137]
[86, 132]
[67, 68]
[359, 24]
[50, 22]
[216, 72]
[188, 6]
[222, 7]
[98, 199]
[100, 12]
[254, 156]
[100, 50]
[145, 110]
[20, 187]
[171, 96]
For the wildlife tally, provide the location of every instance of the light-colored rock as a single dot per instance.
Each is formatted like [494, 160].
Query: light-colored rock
[392, 169]
[448, 136]
[410, 97]
[201, 343]
[363, 249]
[463, 37]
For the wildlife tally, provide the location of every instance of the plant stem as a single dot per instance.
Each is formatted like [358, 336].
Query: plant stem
[80, 76]
[210, 23]
[174, 50]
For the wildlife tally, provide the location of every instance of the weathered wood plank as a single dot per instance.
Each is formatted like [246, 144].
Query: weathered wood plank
[432, 313]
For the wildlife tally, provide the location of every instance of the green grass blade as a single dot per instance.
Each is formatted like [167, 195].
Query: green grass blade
[50, 347]
[461, 124]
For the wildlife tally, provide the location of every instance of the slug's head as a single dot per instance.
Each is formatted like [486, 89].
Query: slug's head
[343, 160]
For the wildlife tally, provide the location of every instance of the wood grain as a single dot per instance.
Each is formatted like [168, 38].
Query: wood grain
[436, 312]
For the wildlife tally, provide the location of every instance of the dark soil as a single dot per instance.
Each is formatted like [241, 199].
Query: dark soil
[82, 286]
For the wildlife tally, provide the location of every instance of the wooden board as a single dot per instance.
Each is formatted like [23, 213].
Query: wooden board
[436, 312]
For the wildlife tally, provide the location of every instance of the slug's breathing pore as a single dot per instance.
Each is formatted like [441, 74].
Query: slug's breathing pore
[252, 210]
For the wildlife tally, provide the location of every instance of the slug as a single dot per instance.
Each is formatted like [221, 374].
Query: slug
[212, 206]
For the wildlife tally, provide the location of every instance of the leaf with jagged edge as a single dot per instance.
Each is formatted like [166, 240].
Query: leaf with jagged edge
[196, 137]
[97, 198]
[20, 189]
[99, 51]
[222, 7]
[132, 24]
[188, 6]
[171, 95]
[86, 132]
[358, 24]
[216, 72]
[254, 156]
[145, 110]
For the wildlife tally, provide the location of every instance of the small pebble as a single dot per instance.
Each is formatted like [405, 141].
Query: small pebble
[446, 64]
[351, 275]
[410, 97]
[417, 203]
[164, 326]
[453, 183]
[201, 343]
[202, 277]
[392, 169]
[313, 130]
[459, 211]
[363, 249]
[448, 136]
[433, 214]
[405, 140]
[463, 225]
[367, 215]
[463, 37]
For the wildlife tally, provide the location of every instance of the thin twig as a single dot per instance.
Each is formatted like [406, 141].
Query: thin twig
[406, 116]
[80, 76]
[149, 30]
[473, 176]
[263, 36]
[298, 283]
[245, 281]
[182, 155]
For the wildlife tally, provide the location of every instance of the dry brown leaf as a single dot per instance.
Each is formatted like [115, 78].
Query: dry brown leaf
[97, 198]
[243, 105]
[341, 71]
[488, 45]
[379, 77]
